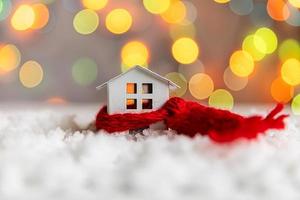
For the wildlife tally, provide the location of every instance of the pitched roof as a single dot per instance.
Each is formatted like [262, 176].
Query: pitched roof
[143, 69]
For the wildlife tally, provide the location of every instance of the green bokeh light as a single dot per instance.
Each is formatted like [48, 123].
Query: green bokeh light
[296, 105]
[221, 99]
[84, 71]
[180, 80]
[5, 8]
[289, 48]
[86, 21]
[1, 5]
[47, 1]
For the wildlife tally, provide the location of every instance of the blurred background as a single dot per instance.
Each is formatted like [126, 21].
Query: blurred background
[221, 52]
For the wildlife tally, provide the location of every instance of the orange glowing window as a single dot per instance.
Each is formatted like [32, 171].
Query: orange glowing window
[131, 104]
[147, 104]
[147, 88]
[131, 88]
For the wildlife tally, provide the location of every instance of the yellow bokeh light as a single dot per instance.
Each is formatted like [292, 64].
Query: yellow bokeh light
[201, 86]
[31, 74]
[289, 48]
[124, 67]
[94, 4]
[175, 13]
[221, 1]
[241, 63]
[156, 6]
[10, 58]
[295, 3]
[221, 99]
[134, 53]
[86, 21]
[180, 80]
[118, 21]
[23, 18]
[296, 105]
[269, 38]
[234, 82]
[281, 91]
[290, 71]
[249, 46]
[41, 16]
[185, 50]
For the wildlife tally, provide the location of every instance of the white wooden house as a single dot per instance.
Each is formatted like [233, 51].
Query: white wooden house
[137, 90]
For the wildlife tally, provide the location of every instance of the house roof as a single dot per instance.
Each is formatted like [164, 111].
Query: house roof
[172, 85]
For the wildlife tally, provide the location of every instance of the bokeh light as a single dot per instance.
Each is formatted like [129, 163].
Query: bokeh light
[23, 18]
[48, 2]
[10, 58]
[278, 10]
[201, 86]
[118, 21]
[5, 8]
[249, 46]
[241, 63]
[180, 80]
[281, 91]
[124, 67]
[185, 50]
[295, 3]
[243, 7]
[222, 99]
[296, 105]
[294, 17]
[86, 21]
[1, 5]
[234, 82]
[57, 101]
[290, 71]
[221, 1]
[175, 13]
[289, 48]
[156, 6]
[41, 16]
[84, 71]
[31, 74]
[134, 53]
[191, 13]
[94, 4]
[269, 38]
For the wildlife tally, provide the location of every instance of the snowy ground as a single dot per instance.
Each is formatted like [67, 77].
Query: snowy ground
[42, 156]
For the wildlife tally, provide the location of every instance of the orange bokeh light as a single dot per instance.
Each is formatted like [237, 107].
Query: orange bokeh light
[281, 91]
[41, 16]
[56, 100]
[278, 10]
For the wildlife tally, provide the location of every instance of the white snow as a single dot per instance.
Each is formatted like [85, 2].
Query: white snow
[42, 157]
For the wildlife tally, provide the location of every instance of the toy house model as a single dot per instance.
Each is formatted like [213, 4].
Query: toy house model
[137, 90]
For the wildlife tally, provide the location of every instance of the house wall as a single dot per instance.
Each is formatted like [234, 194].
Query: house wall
[117, 92]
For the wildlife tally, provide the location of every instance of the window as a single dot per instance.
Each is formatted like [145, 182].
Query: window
[147, 104]
[131, 104]
[131, 88]
[147, 88]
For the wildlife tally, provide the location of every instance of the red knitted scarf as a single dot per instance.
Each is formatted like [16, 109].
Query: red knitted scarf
[191, 118]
